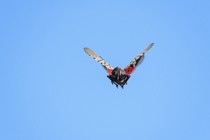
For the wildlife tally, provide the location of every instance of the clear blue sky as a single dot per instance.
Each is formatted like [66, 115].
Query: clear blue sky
[51, 90]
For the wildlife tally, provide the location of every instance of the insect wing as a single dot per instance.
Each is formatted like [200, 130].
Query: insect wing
[99, 59]
[137, 60]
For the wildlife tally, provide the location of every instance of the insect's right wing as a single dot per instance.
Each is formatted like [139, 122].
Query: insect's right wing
[99, 59]
[137, 60]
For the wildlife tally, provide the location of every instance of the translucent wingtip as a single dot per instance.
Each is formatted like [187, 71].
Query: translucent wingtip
[88, 51]
[148, 47]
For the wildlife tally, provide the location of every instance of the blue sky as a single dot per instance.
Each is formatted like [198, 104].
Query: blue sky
[50, 89]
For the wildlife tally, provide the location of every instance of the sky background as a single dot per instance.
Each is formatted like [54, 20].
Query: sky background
[51, 90]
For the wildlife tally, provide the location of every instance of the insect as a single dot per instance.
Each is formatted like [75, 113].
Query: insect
[119, 76]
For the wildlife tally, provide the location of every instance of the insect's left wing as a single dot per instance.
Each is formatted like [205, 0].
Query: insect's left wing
[137, 60]
[99, 59]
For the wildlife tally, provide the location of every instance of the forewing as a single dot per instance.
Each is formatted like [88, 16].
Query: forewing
[137, 61]
[99, 59]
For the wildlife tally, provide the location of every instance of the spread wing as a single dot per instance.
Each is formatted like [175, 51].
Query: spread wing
[99, 59]
[137, 60]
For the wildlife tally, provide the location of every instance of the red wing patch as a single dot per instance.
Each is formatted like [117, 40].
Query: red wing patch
[109, 71]
[129, 70]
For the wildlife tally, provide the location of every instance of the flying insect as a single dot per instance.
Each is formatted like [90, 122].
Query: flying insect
[119, 76]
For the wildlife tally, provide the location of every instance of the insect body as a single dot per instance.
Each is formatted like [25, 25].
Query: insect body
[119, 76]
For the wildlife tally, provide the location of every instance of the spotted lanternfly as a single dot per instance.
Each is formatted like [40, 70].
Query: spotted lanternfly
[119, 76]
